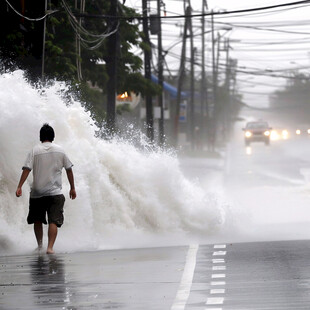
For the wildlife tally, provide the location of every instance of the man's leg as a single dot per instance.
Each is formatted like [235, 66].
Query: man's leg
[38, 231]
[52, 234]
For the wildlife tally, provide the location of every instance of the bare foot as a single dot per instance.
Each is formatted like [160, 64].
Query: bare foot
[38, 250]
[50, 251]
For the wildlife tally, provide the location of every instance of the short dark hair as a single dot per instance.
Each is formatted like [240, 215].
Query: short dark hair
[47, 133]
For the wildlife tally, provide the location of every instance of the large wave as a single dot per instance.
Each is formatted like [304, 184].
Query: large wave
[121, 190]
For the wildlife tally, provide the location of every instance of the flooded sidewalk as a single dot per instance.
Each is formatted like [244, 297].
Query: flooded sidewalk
[118, 279]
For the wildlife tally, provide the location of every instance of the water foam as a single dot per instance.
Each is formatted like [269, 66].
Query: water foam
[121, 190]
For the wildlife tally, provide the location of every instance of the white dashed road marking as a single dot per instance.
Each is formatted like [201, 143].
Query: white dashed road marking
[218, 265]
[214, 268]
[218, 275]
[218, 283]
[219, 253]
[217, 291]
[215, 301]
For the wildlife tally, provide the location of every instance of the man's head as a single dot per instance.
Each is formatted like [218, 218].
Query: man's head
[47, 133]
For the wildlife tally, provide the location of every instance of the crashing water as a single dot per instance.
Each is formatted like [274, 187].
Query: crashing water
[126, 197]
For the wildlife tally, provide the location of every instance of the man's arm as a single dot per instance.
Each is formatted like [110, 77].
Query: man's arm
[70, 176]
[22, 180]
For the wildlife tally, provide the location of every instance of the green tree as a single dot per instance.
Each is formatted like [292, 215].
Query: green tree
[21, 39]
[73, 50]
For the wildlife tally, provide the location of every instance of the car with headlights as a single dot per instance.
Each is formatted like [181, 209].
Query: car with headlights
[302, 130]
[257, 132]
[279, 134]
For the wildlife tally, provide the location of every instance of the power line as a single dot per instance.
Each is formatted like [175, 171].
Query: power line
[198, 15]
[259, 43]
[256, 83]
[273, 59]
[28, 18]
[270, 50]
[283, 23]
[253, 93]
[97, 40]
[263, 29]
[258, 72]
[267, 71]
[271, 75]
[264, 14]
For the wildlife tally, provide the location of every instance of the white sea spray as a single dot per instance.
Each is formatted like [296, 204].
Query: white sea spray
[122, 190]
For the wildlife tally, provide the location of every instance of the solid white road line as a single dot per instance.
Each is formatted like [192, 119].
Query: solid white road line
[187, 279]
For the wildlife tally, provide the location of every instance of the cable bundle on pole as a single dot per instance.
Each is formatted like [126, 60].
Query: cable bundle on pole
[88, 40]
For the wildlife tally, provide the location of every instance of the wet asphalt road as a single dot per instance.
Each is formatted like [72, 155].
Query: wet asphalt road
[263, 275]
[270, 183]
[266, 275]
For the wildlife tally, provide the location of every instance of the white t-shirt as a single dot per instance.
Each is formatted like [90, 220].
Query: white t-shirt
[46, 161]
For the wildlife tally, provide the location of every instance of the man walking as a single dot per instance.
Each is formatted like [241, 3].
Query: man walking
[46, 161]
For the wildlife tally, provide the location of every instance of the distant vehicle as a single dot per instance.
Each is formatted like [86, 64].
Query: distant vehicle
[279, 134]
[257, 132]
[302, 131]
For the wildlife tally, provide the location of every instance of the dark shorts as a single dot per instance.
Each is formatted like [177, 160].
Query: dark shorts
[53, 206]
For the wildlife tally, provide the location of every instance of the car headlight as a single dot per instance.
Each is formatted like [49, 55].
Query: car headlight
[274, 135]
[298, 132]
[267, 133]
[308, 131]
[284, 134]
[248, 134]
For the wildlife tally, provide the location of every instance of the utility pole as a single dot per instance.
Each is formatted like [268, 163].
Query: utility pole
[43, 48]
[147, 73]
[160, 77]
[217, 58]
[192, 84]
[213, 61]
[203, 86]
[227, 87]
[78, 41]
[213, 125]
[180, 78]
[111, 69]
[227, 77]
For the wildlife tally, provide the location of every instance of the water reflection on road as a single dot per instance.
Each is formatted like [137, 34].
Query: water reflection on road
[48, 279]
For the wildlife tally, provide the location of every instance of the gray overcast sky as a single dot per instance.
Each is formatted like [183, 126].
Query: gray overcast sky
[285, 45]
